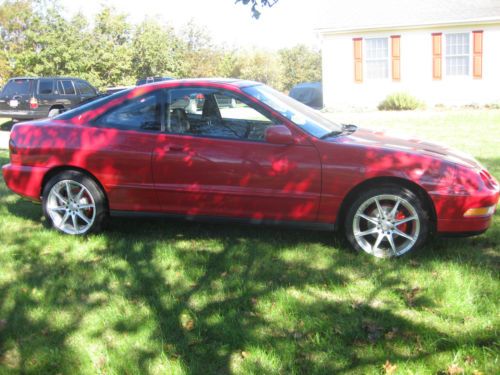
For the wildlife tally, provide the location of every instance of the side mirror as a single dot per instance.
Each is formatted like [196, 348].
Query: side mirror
[279, 134]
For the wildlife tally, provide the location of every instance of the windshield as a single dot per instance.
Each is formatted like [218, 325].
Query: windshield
[17, 87]
[301, 115]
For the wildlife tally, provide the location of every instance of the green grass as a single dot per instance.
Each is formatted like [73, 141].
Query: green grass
[161, 296]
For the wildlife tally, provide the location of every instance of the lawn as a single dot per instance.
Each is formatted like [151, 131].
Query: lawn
[161, 296]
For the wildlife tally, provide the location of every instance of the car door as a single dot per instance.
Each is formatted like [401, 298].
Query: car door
[67, 95]
[119, 146]
[212, 159]
[45, 95]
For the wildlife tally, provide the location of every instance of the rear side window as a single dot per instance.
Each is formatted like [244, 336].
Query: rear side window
[60, 88]
[68, 87]
[84, 88]
[45, 86]
[18, 87]
[135, 114]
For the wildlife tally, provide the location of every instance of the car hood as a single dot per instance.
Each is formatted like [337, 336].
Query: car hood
[380, 139]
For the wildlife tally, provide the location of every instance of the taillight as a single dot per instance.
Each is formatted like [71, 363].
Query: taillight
[12, 147]
[33, 103]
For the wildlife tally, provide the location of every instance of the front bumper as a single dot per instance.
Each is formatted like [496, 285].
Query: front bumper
[24, 180]
[450, 211]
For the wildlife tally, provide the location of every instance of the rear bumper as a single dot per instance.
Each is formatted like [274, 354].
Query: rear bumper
[24, 180]
[450, 212]
[22, 114]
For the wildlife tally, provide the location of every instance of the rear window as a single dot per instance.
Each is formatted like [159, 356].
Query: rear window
[18, 87]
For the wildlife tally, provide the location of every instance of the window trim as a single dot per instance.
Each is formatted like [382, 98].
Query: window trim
[263, 111]
[445, 55]
[365, 58]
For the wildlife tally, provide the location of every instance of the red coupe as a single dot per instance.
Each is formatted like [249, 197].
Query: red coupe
[239, 150]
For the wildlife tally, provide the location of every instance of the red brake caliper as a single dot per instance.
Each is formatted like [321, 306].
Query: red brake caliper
[403, 227]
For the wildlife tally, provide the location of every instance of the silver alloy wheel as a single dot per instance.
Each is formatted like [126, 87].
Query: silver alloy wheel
[386, 225]
[71, 207]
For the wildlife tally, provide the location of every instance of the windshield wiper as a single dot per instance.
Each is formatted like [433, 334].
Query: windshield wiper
[346, 129]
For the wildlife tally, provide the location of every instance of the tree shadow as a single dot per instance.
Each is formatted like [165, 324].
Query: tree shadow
[210, 296]
[7, 125]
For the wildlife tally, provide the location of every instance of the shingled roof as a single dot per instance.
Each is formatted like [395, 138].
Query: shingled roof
[387, 14]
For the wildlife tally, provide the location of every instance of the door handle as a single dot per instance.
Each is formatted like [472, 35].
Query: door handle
[175, 148]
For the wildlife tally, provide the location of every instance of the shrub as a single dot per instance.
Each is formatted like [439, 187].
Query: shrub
[399, 101]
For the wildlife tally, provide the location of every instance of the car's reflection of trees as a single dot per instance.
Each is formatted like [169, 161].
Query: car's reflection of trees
[253, 257]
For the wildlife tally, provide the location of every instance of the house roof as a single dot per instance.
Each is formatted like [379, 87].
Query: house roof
[392, 14]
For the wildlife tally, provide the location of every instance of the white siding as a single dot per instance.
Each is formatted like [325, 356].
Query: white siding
[340, 90]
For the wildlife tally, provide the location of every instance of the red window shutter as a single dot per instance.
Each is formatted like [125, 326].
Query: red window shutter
[396, 57]
[358, 60]
[436, 56]
[477, 59]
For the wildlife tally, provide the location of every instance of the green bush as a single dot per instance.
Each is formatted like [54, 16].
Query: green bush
[399, 101]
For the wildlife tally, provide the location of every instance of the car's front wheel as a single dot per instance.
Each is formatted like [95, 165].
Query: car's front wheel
[73, 203]
[387, 221]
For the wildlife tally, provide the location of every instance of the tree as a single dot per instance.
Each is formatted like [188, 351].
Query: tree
[110, 49]
[259, 65]
[156, 50]
[201, 56]
[256, 4]
[300, 64]
[15, 19]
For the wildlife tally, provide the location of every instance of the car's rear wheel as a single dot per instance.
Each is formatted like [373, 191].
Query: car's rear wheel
[387, 221]
[73, 203]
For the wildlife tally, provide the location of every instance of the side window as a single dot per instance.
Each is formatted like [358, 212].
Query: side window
[68, 87]
[84, 88]
[213, 113]
[60, 88]
[45, 86]
[135, 114]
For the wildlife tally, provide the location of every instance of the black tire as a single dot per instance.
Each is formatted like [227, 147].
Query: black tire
[378, 229]
[92, 195]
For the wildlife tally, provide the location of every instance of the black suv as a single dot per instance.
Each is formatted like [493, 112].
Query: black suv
[32, 98]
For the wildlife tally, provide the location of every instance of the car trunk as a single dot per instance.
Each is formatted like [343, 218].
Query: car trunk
[16, 94]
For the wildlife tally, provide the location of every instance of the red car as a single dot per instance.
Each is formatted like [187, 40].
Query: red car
[264, 159]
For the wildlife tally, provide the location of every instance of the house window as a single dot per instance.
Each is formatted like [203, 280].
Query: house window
[377, 58]
[457, 53]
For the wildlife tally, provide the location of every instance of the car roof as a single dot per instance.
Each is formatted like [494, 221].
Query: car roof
[203, 81]
[52, 77]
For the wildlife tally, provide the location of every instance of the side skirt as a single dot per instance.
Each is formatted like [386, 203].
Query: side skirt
[224, 219]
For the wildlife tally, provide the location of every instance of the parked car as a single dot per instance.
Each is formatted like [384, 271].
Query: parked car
[34, 98]
[269, 159]
[309, 93]
[146, 80]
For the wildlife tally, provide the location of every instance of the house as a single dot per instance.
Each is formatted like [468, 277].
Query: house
[442, 52]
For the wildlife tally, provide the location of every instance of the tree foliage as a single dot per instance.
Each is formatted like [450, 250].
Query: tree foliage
[300, 64]
[256, 5]
[37, 40]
